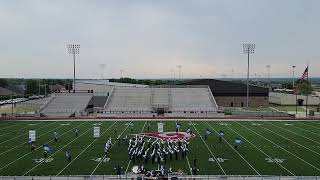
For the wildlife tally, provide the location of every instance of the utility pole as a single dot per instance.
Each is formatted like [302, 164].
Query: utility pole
[179, 67]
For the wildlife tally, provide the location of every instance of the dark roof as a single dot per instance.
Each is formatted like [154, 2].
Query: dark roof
[228, 88]
[6, 92]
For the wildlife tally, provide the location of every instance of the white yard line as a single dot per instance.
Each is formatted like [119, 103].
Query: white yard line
[291, 140]
[35, 150]
[187, 156]
[28, 132]
[24, 127]
[281, 147]
[17, 124]
[94, 170]
[296, 133]
[261, 151]
[25, 142]
[57, 151]
[189, 166]
[312, 126]
[84, 150]
[130, 159]
[235, 151]
[307, 129]
[210, 150]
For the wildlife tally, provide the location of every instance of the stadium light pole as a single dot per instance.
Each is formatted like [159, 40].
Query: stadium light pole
[268, 69]
[293, 75]
[248, 49]
[74, 49]
[179, 67]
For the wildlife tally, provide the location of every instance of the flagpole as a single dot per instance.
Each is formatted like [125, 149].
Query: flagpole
[307, 93]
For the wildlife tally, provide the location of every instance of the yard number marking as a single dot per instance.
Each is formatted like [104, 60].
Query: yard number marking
[275, 160]
[218, 159]
[104, 159]
[47, 160]
[224, 124]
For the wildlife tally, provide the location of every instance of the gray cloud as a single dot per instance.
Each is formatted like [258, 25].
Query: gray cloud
[147, 39]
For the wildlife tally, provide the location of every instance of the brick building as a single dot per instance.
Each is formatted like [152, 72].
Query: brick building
[233, 94]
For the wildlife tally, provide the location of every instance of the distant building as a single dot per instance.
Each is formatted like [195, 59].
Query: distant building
[233, 94]
[291, 99]
[6, 92]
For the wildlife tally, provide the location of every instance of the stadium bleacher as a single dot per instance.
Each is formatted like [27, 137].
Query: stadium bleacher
[174, 100]
[130, 99]
[66, 104]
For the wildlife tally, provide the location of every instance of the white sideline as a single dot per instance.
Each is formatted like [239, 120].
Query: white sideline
[57, 151]
[260, 150]
[25, 142]
[35, 150]
[292, 141]
[130, 159]
[296, 133]
[94, 170]
[235, 151]
[281, 148]
[27, 133]
[209, 150]
[85, 149]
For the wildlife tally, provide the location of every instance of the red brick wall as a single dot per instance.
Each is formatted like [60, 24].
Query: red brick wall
[254, 101]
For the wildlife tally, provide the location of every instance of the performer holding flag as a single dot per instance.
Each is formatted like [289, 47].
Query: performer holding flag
[55, 134]
[77, 132]
[221, 135]
[46, 149]
[237, 142]
[208, 133]
[68, 155]
[178, 126]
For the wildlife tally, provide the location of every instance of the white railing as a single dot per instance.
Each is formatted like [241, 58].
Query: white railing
[52, 96]
[214, 101]
[110, 94]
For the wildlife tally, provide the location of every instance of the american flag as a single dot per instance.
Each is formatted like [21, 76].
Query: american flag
[303, 77]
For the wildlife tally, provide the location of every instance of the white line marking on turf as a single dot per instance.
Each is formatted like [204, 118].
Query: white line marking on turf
[192, 124]
[214, 157]
[262, 151]
[94, 170]
[27, 133]
[281, 147]
[310, 126]
[57, 151]
[24, 127]
[291, 140]
[85, 149]
[14, 125]
[235, 151]
[130, 159]
[36, 149]
[296, 133]
[189, 166]
[25, 142]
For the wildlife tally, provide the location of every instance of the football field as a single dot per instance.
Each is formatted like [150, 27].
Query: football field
[286, 148]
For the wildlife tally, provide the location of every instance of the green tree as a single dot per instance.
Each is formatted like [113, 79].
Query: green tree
[305, 88]
[32, 86]
[4, 83]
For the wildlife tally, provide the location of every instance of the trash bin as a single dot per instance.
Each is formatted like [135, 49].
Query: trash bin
[311, 112]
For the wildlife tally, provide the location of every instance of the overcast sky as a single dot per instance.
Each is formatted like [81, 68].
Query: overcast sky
[149, 38]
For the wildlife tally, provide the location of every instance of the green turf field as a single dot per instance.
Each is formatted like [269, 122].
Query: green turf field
[268, 148]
